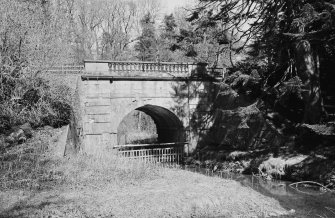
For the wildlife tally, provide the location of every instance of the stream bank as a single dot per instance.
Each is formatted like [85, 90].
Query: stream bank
[301, 201]
[252, 132]
[292, 167]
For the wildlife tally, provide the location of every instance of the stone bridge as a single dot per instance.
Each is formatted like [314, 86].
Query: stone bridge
[172, 94]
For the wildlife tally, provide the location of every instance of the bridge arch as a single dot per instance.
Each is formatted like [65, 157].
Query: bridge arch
[169, 128]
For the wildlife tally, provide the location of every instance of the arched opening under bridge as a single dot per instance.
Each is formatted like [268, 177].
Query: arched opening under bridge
[150, 124]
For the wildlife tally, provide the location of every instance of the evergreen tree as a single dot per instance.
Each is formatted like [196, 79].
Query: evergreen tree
[296, 43]
[204, 41]
[169, 25]
[167, 39]
[146, 47]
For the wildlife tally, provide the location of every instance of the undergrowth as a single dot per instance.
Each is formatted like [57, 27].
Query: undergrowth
[34, 166]
[32, 99]
[107, 168]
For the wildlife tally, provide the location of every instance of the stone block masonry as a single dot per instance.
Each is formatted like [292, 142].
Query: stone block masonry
[108, 95]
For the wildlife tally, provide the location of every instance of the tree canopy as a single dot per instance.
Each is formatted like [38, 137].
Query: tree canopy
[294, 39]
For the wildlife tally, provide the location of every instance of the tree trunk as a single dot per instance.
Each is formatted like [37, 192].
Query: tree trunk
[309, 75]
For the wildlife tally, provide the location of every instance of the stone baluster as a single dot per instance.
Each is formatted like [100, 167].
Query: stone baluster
[113, 67]
[123, 67]
[138, 67]
[146, 68]
[118, 67]
[132, 67]
[128, 67]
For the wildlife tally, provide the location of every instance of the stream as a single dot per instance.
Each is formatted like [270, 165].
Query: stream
[305, 201]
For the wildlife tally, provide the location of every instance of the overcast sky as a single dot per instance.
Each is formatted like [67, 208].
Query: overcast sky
[169, 5]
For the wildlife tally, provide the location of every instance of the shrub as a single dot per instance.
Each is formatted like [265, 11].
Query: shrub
[60, 116]
[33, 100]
[4, 123]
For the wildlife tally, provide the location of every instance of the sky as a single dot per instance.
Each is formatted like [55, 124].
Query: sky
[167, 6]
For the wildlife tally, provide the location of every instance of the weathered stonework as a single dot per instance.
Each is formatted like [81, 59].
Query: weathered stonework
[171, 101]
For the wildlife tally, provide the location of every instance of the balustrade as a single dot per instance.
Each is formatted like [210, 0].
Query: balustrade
[135, 69]
[148, 67]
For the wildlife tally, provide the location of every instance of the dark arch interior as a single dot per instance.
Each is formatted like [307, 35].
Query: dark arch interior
[168, 126]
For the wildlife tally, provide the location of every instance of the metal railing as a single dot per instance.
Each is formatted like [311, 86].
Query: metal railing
[67, 69]
[158, 153]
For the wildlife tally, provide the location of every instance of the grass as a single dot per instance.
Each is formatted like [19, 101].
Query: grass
[111, 186]
[107, 168]
[26, 166]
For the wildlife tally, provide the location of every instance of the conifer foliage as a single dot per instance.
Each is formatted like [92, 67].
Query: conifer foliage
[146, 47]
[294, 39]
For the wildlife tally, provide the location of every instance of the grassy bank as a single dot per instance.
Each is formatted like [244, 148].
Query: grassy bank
[108, 185]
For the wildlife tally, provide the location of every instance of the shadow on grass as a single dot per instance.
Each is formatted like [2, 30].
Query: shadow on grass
[26, 207]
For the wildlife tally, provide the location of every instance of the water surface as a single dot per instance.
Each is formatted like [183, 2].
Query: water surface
[305, 201]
